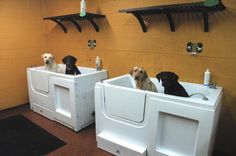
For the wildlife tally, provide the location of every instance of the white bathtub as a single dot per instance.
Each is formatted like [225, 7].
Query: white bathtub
[67, 99]
[131, 122]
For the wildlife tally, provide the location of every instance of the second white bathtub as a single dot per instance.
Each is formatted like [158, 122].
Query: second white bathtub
[131, 122]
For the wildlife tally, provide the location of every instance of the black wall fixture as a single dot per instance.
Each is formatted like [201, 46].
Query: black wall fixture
[75, 18]
[174, 8]
[194, 48]
[92, 44]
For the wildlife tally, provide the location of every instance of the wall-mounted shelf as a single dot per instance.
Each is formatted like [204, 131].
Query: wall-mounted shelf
[75, 18]
[174, 8]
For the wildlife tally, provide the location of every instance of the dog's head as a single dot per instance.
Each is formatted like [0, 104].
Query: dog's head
[168, 79]
[48, 58]
[138, 73]
[69, 61]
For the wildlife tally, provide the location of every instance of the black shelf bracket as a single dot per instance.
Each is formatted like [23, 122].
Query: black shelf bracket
[59, 22]
[75, 18]
[91, 20]
[141, 21]
[171, 22]
[168, 10]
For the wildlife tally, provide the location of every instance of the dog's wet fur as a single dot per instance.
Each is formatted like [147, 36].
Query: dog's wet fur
[71, 68]
[142, 80]
[171, 85]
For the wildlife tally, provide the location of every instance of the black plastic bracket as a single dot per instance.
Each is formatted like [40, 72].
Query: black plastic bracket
[168, 10]
[206, 22]
[171, 22]
[60, 23]
[141, 21]
[76, 24]
[93, 24]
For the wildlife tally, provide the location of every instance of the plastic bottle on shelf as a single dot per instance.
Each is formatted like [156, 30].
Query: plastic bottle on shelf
[98, 63]
[82, 8]
[207, 77]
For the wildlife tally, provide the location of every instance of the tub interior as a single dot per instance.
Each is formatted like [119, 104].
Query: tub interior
[191, 88]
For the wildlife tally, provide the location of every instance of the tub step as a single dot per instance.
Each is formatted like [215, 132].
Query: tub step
[119, 147]
[43, 111]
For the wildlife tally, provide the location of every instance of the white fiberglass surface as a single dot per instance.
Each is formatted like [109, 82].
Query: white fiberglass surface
[191, 88]
[173, 135]
[125, 103]
[83, 70]
[62, 97]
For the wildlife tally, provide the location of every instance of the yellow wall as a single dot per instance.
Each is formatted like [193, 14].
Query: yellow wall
[22, 42]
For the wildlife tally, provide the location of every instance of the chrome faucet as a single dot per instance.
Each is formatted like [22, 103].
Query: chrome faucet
[213, 85]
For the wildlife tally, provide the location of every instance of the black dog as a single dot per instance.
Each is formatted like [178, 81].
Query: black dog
[70, 65]
[171, 84]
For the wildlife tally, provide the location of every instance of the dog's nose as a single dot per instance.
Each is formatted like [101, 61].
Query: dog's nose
[136, 77]
[47, 62]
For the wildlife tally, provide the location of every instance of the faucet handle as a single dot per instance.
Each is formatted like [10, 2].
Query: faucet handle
[213, 85]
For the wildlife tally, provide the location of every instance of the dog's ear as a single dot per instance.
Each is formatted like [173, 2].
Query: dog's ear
[131, 71]
[42, 56]
[158, 76]
[64, 60]
[73, 59]
[174, 77]
[53, 57]
[145, 75]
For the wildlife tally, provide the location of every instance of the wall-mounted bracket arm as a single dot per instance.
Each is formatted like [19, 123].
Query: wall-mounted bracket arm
[141, 21]
[76, 24]
[206, 22]
[59, 22]
[93, 24]
[171, 22]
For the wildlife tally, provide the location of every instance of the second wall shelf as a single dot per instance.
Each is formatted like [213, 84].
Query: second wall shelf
[174, 8]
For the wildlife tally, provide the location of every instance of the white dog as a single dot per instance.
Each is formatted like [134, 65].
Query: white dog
[50, 64]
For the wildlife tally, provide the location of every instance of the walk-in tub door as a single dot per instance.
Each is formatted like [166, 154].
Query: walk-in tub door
[39, 81]
[63, 98]
[179, 129]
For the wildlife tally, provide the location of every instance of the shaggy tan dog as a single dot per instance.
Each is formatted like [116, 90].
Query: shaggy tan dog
[50, 64]
[142, 80]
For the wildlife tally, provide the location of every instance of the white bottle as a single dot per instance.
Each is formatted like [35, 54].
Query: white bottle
[98, 63]
[207, 77]
[82, 8]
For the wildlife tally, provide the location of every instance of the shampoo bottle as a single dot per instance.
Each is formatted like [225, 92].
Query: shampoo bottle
[82, 8]
[207, 76]
[98, 63]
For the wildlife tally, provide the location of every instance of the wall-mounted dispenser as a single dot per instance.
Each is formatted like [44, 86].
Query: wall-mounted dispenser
[91, 43]
[194, 48]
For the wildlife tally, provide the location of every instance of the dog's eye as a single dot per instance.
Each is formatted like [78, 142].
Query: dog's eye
[50, 57]
[45, 56]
